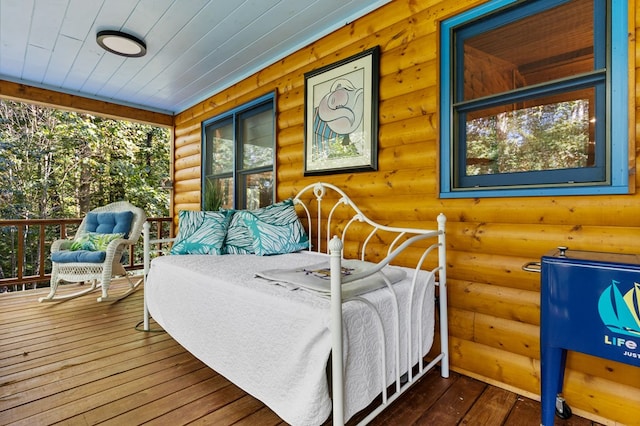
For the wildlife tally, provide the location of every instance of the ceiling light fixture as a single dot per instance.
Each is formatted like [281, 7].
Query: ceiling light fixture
[122, 44]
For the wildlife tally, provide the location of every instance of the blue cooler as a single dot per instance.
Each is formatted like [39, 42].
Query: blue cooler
[590, 303]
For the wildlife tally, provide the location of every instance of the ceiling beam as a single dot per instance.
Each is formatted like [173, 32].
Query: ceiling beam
[24, 93]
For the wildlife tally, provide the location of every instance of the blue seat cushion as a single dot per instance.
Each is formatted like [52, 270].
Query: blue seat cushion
[110, 222]
[78, 256]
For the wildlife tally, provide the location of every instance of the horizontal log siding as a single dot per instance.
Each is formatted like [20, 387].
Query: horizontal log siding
[495, 311]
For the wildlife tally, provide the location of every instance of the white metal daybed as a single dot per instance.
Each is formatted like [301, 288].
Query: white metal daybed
[272, 335]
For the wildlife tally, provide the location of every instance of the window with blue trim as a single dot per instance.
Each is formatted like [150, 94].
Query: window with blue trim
[534, 99]
[238, 157]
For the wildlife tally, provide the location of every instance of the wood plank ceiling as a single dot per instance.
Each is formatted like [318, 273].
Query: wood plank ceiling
[195, 48]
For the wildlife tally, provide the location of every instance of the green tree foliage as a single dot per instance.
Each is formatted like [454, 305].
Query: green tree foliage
[62, 164]
[56, 163]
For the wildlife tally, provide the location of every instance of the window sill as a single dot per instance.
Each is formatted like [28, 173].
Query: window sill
[537, 192]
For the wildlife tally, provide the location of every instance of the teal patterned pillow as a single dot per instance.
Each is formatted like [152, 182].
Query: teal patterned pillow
[200, 232]
[238, 239]
[277, 232]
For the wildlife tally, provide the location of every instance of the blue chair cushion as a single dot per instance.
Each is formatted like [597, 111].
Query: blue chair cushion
[78, 256]
[109, 222]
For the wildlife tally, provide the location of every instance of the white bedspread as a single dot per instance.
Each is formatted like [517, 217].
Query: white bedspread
[271, 341]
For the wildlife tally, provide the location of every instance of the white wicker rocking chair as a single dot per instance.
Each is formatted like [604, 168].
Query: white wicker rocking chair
[98, 274]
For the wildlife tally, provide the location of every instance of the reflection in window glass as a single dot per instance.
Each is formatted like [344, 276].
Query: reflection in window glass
[544, 136]
[259, 190]
[257, 137]
[549, 45]
[221, 154]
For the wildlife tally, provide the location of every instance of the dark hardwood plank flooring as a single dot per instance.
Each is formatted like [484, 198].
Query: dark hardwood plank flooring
[80, 362]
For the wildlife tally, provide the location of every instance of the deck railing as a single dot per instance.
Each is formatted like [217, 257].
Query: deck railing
[25, 247]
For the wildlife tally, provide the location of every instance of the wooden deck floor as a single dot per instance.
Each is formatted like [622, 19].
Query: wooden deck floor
[80, 362]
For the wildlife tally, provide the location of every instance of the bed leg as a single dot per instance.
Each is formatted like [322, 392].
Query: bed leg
[444, 330]
[145, 318]
[335, 248]
[442, 290]
[147, 261]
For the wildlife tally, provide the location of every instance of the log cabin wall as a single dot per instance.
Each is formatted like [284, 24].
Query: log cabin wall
[494, 305]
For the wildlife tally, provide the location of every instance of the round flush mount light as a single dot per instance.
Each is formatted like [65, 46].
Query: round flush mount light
[122, 44]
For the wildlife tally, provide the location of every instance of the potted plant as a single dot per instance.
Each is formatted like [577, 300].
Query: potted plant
[213, 196]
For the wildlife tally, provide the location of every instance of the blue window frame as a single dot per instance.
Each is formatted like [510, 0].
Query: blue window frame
[534, 99]
[238, 152]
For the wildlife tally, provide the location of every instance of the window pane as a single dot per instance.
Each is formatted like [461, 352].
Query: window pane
[553, 44]
[220, 144]
[218, 193]
[533, 99]
[258, 190]
[541, 134]
[257, 140]
[239, 155]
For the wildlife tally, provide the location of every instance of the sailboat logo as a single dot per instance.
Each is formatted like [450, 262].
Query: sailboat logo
[621, 314]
